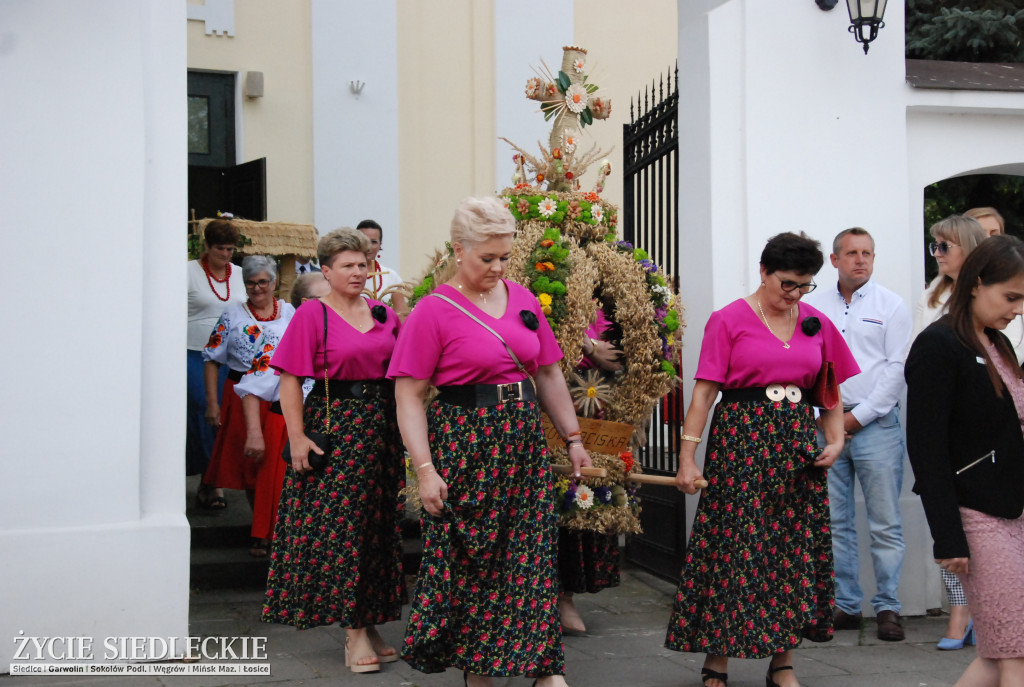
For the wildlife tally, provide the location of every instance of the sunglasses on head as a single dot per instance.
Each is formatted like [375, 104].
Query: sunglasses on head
[940, 248]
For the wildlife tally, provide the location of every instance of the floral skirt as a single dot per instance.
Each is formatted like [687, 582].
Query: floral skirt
[336, 553]
[486, 594]
[758, 574]
[587, 561]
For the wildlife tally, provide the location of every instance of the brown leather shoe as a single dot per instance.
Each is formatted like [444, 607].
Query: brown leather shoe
[841, 620]
[890, 629]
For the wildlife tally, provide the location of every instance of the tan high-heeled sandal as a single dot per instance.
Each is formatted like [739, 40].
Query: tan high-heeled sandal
[356, 667]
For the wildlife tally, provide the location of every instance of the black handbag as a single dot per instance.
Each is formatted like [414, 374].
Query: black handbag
[321, 439]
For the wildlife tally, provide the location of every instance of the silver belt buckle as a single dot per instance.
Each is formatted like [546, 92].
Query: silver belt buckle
[778, 392]
[512, 391]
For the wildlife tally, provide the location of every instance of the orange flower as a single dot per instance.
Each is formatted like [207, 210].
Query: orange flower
[540, 266]
[540, 178]
[549, 266]
[547, 243]
[557, 153]
[592, 197]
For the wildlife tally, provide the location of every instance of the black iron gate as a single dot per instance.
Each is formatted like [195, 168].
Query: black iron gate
[650, 220]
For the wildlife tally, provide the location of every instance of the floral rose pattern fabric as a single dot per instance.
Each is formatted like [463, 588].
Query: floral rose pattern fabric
[489, 605]
[336, 555]
[758, 574]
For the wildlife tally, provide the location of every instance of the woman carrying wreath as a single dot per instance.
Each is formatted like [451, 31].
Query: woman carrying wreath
[758, 569]
[486, 595]
[213, 284]
[336, 553]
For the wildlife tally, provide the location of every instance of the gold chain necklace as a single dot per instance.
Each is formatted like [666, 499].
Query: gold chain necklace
[482, 295]
[785, 344]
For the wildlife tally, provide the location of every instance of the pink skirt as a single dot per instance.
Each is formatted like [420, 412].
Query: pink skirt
[995, 584]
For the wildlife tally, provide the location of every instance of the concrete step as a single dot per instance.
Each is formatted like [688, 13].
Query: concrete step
[221, 540]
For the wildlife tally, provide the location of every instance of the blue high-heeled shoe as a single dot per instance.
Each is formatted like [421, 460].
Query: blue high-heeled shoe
[947, 644]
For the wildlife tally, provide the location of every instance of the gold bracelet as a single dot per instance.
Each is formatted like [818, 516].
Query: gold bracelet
[687, 437]
[424, 465]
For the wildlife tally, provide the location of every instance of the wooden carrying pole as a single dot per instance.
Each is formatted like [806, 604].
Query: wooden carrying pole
[663, 480]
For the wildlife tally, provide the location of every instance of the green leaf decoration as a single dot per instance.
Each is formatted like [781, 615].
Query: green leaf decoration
[563, 81]
[586, 117]
[591, 88]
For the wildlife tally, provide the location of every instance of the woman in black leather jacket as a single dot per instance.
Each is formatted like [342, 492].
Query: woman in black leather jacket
[965, 401]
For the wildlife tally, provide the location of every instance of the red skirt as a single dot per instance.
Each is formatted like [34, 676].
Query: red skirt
[270, 478]
[229, 468]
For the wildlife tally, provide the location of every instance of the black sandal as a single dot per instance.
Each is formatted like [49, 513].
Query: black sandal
[709, 674]
[768, 681]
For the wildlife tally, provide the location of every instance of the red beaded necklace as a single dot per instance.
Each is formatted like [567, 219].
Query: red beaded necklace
[210, 278]
[272, 317]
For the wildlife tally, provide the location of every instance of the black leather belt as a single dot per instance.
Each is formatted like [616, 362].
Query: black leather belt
[354, 388]
[484, 395]
[772, 392]
[235, 375]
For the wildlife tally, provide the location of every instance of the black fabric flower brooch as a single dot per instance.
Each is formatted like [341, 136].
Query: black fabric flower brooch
[380, 313]
[529, 319]
[810, 326]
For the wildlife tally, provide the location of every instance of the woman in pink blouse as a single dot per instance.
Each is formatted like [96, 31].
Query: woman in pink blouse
[486, 598]
[336, 554]
[758, 569]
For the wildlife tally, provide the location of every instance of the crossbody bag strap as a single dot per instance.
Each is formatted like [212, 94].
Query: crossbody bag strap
[327, 393]
[508, 348]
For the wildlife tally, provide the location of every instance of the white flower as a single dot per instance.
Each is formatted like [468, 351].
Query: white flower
[576, 98]
[568, 142]
[584, 496]
[547, 207]
[597, 212]
[662, 293]
[579, 64]
[533, 87]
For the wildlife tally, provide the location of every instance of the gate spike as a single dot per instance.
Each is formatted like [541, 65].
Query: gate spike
[661, 88]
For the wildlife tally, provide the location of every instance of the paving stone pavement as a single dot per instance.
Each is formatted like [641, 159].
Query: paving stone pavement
[623, 648]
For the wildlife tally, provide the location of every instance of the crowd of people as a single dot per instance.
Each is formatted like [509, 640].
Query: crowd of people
[315, 408]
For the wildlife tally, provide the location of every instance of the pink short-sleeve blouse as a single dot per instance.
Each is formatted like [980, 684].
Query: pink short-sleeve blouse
[440, 343]
[738, 351]
[350, 353]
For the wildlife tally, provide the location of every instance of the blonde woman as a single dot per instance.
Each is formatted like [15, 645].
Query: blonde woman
[954, 239]
[486, 598]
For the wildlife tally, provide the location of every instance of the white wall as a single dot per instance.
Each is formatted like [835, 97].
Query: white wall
[355, 140]
[92, 526]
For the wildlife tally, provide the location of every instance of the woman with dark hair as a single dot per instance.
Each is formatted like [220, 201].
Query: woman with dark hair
[757, 575]
[213, 285]
[336, 553]
[965, 437]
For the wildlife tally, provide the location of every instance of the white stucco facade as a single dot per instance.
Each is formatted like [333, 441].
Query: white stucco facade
[92, 524]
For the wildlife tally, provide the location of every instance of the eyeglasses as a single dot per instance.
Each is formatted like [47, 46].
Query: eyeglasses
[253, 283]
[790, 285]
[941, 248]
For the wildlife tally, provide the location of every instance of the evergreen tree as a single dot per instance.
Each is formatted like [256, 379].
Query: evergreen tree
[965, 30]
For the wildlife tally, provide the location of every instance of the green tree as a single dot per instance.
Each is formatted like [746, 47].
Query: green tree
[965, 30]
[954, 196]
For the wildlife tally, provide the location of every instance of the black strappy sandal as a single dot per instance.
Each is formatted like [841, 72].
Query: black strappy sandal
[768, 681]
[709, 674]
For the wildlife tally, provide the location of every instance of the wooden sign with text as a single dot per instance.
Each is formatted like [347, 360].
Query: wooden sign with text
[600, 436]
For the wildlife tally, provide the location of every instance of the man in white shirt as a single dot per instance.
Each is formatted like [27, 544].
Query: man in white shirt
[381, 278]
[876, 324]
